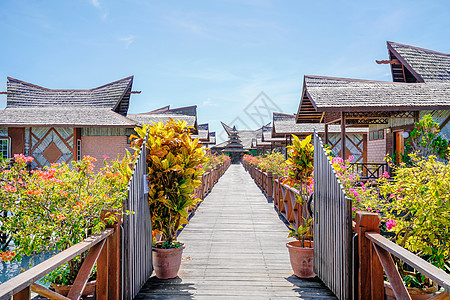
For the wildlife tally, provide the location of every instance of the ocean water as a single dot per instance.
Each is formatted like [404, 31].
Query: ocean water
[10, 269]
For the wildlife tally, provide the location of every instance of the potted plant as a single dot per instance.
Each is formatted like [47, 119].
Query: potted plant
[55, 208]
[301, 252]
[300, 169]
[173, 173]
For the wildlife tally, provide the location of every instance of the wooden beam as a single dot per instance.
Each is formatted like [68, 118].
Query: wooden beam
[322, 117]
[85, 272]
[43, 291]
[343, 146]
[443, 123]
[387, 62]
[392, 273]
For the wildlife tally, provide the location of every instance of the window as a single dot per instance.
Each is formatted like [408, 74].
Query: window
[4, 148]
[376, 135]
[78, 149]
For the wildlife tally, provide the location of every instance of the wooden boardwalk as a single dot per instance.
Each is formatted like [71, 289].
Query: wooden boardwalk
[235, 249]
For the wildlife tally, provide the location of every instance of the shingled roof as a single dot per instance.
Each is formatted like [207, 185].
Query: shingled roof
[63, 117]
[212, 138]
[188, 114]
[426, 65]
[32, 105]
[284, 125]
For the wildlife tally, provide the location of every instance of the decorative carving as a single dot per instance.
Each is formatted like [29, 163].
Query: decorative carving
[52, 153]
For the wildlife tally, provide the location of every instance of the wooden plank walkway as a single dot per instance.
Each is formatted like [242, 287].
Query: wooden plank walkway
[235, 249]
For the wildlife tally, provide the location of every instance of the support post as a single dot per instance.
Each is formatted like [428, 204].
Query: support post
[326, 134]
[270, 185]
[114, 271]
[275, 191]
[343, 138]
[370, 273]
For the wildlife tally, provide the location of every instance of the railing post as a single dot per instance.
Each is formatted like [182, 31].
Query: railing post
[370, 273]
[114, 280]
[275, 191]
[24, 294]
[270, 185]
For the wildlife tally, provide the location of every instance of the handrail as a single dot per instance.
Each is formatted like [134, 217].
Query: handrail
[373, 258]
[27, 278]
[424, 267]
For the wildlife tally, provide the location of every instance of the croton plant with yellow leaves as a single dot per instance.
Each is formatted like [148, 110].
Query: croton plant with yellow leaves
[173, 172]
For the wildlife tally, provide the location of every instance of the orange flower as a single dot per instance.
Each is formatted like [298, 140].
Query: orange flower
[61, 217]
[10, 188]
[7, 256]
[34, 192]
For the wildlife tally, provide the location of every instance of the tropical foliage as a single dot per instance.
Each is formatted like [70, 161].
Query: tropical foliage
[300, 163]
[417, 205]
[174, 161]
[303, 232]
[425, 140]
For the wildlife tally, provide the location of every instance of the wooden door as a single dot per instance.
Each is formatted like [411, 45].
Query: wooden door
[399, 145]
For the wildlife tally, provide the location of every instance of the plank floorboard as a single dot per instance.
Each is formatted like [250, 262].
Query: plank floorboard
[235, 249]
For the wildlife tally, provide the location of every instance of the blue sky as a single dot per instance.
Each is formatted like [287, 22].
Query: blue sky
[218, 55]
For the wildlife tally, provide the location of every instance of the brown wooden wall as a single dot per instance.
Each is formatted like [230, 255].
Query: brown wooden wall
[17, 136]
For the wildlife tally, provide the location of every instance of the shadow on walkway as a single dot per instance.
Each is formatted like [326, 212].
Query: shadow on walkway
[173, 288]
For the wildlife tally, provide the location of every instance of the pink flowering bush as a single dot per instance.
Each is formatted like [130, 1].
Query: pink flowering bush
[361, 195]
[271, 162]
[414, 206]
[213, 160]
[57, 207]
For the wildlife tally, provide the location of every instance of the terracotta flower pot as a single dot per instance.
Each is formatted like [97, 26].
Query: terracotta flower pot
[89, 290]
[166, 262]
[415, 293]
[301, 259]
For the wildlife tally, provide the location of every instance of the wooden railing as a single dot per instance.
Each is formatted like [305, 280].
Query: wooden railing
[374, 257]
[103, 249]
[370, 170]
[209, 179]
[286, 199]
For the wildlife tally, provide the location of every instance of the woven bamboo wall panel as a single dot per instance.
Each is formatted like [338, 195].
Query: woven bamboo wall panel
[51, 145]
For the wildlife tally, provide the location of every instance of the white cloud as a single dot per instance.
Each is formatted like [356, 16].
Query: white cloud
[209, 102]
[95, 3]
[128, 40]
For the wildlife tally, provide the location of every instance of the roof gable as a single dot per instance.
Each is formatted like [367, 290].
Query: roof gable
[114, 95]
[424, 64]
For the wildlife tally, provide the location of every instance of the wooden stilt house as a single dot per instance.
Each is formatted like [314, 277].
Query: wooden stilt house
[421, 85]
